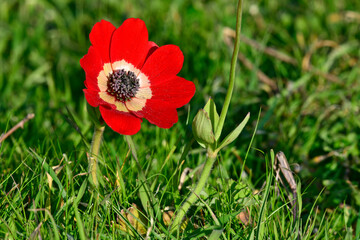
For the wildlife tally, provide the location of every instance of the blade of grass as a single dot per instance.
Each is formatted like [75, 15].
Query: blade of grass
[51, 172]
[52, 220]
[215, 234]
[79, 223]
[213, 216]
[148, 200]
[357, 230]
[265, 197]
[250, 144]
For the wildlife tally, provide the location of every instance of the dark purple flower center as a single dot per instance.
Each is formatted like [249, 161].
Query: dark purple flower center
[123, 85]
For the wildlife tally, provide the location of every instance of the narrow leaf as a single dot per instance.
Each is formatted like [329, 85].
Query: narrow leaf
[81, 192]
[51, 172]
[148, 200]
[53, 223]
[69, 118]
[235, 133]
[215, 234]
[79, 223]
[260, 233]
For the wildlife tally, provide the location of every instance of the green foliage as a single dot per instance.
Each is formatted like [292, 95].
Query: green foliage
[235, 133]
[314, 120]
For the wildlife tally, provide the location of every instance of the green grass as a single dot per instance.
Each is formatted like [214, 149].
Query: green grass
[313, 120]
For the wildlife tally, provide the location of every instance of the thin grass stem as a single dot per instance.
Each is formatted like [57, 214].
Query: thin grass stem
[94, 153]
[232, 72]
[193, 196]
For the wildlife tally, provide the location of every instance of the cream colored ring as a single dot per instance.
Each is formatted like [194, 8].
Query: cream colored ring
[138, 102]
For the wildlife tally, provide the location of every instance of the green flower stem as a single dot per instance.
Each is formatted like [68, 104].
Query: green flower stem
[193, 196]
[211, 153]
[94, 153]
[232, 72]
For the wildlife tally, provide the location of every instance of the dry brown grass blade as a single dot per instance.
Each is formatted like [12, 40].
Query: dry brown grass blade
[183, 177]
[347, 16]
[305, 64]
[262, 76]
[19, 125]
[229, 34]
[282, 165]
[270, 84]
[36, 233]
[244, 217]
[321, 158]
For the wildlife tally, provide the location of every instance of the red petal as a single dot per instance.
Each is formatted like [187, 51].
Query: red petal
[166, 60]
[151, 49]
[92, 65]
[125, 124]
[92, 97]
[100, 37]
[174, 90]
[130, 42]
[160, 113]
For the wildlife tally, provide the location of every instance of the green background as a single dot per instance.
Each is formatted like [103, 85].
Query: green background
[314, 120]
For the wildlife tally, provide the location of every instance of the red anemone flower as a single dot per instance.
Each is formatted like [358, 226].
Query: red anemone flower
[131, 78]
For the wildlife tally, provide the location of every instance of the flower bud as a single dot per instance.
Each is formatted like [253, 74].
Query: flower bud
[202, 129]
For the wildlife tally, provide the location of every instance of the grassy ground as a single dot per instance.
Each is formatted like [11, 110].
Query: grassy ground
[309, 110]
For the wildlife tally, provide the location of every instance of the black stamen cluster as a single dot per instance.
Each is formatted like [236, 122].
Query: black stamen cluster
[123, 85]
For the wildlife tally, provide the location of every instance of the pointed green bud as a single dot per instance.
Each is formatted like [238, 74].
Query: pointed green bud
[210, 108]
[202, 129]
